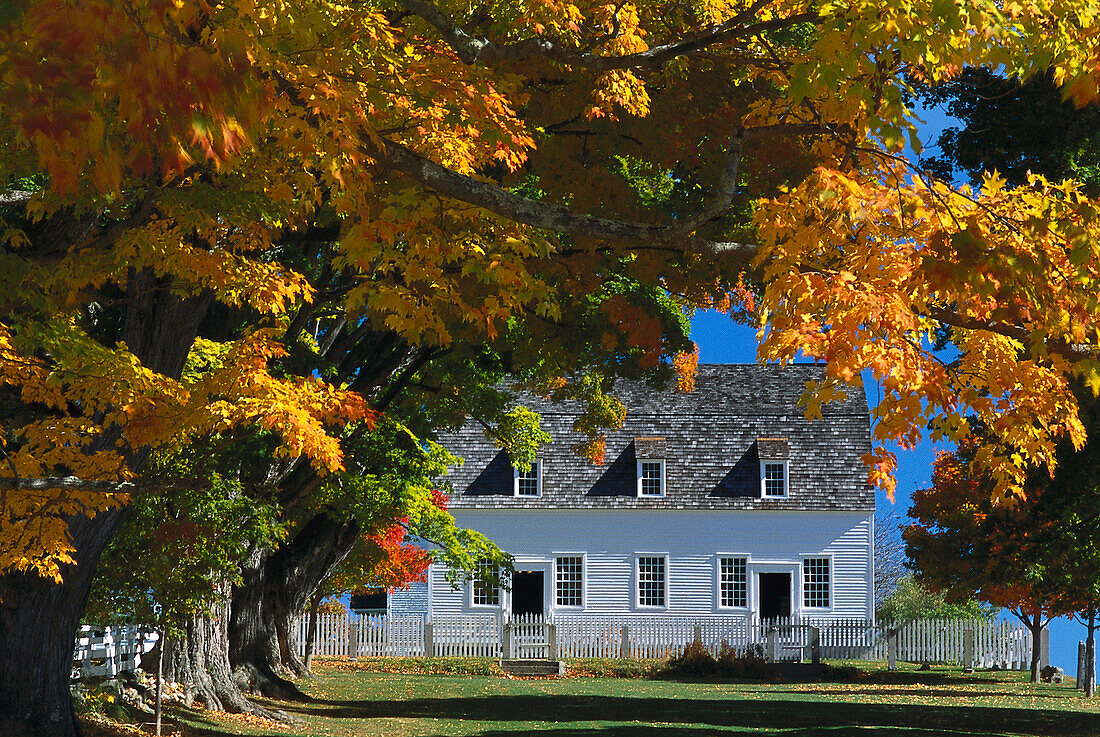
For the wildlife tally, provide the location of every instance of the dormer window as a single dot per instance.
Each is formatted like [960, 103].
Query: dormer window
[651, 478]
[774, 467]
[528, 484]
[650, 454]
[773, 479]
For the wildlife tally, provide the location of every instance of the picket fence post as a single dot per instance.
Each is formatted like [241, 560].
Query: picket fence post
[892, 649]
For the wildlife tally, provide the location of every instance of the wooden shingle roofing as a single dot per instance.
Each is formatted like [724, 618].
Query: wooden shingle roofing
[711, 439]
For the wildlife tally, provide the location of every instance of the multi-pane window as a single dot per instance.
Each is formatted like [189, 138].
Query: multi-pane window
[733, 582]
[528, 482]
[651, 580]
[486, 585]
[815, 582]
[775, 478]
[569, 580]
[651, 478]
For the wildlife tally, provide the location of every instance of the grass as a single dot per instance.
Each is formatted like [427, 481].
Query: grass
[359, 700]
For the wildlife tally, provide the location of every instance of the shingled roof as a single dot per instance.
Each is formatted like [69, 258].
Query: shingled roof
[712, 440]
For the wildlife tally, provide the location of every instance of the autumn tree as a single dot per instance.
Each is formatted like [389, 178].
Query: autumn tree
[386, 561]
[965, 539]
[371, 208]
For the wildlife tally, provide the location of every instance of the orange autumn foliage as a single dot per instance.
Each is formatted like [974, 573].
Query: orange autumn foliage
[468, 160]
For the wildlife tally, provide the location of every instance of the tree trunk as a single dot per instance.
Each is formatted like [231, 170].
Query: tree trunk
[311, 633]
[1090, 657]
[1035, 626]
[39, 618]
[274, 589]
[198, 659]
[38, 624]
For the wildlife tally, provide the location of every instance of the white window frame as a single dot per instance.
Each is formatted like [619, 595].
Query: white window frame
[802, 582]
[718, 582]
[636, 596]
[584, 580]
[638, 490]
[536, 466]
[486, 607]
[764, 463]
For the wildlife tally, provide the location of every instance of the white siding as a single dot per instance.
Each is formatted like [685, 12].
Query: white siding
[773, 541]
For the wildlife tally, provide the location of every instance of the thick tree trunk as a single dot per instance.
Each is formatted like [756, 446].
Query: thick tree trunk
[38, 624]
[199, 660]
[275, 587]
[39, 618]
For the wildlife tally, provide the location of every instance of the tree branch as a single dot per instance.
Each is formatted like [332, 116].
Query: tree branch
[1072, 351]
[71, 483]
[472, 50]
[563, 220]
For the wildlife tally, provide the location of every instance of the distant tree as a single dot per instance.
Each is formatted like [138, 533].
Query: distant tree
[963, 541]
[1015, 127]
[889, 557]
[912, 600]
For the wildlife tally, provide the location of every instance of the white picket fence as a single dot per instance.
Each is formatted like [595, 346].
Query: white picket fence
[596, 636]
[108, 651]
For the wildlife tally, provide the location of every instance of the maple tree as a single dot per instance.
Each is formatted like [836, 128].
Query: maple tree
[1035, 554]
[385, 560]
[360, 207]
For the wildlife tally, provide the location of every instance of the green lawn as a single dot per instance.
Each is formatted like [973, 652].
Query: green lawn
[351, 700]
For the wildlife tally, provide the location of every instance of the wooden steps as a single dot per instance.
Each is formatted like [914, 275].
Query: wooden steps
[531, 667]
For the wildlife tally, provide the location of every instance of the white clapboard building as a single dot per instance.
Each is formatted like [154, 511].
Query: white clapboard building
[725, 500]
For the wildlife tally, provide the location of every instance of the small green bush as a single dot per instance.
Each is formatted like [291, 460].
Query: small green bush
[612, 668]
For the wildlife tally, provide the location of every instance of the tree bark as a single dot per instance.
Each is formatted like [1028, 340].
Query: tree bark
[1090, 657]
[275, 587]
[311, 634]
[39, 618]
[38, 623]
[1035, 626]
[198, 659]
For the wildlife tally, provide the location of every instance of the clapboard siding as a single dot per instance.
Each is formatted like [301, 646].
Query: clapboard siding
[412, 599]
[692, 539]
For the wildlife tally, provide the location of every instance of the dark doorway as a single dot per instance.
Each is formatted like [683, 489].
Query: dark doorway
[775, 595]
[527, 592]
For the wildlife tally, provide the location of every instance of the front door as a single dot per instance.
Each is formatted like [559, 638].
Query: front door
[775, 595]
[527, 592]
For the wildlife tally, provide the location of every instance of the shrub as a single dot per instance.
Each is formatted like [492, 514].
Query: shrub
[612, 668]
[696, 662]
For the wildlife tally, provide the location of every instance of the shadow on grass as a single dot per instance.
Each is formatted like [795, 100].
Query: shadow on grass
[702, 716]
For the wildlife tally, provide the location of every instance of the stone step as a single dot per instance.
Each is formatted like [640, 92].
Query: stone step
[532, 667]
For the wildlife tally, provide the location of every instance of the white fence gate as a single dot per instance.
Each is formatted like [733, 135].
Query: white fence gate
[108, 651]
[597, 636]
